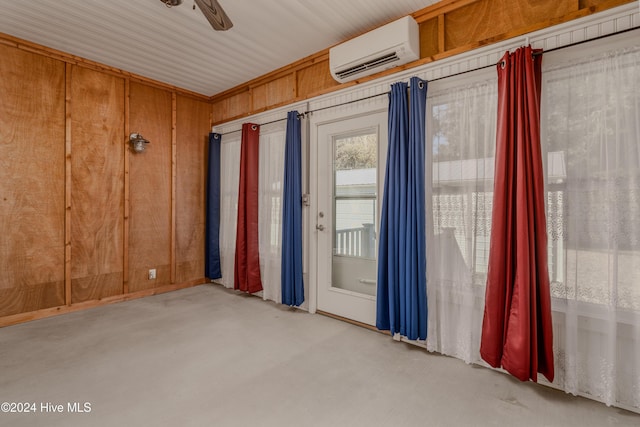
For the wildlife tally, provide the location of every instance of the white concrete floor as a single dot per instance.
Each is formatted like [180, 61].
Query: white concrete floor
[207, 356]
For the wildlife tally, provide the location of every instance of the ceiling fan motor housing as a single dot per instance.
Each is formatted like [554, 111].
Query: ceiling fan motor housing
[172, 2]
[211, 9]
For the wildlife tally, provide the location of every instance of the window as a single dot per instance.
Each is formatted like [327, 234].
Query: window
[355, 194]
[461, 129]
[592, 130]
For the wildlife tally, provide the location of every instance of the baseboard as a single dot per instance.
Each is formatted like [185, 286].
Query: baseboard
[64, 309]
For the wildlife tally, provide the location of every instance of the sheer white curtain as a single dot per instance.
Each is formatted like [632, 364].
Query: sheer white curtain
[272, 143]
[461, 126]
[271, 170]
[591, 129]
[229, 183]
[591, 136]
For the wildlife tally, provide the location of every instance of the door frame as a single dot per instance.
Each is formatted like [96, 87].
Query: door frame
[314, 182]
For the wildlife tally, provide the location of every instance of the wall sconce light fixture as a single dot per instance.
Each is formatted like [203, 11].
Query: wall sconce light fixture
[138, 143]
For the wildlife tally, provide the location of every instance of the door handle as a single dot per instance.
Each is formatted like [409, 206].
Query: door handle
[319, 227]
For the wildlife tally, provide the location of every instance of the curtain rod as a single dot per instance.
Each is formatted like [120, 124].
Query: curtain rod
[264, 124]
[604, 36]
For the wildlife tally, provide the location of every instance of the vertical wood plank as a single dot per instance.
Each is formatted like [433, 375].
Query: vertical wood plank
[67, 186]
[150, 188]
[192, 128]
[429, 38]
[231, 106]
[218, 112]
[32, 181]
[274, 92]
[259, 95]
[314, 78]
[97, 176]
[485, 19]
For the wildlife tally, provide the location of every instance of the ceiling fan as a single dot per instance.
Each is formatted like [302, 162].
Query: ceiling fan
[211, 9]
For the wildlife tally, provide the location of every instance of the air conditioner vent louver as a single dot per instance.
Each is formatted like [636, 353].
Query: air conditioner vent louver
[385, 47]
[374, 63]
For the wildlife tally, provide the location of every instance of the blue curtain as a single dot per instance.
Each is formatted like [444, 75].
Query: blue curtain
[292, 284]
[402, 262]
[212, 239]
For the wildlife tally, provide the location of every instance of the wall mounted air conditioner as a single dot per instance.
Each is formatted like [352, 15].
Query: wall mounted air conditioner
[386, 47]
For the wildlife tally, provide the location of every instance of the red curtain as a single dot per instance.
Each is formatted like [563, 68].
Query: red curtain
[516, 329]
[247, 259]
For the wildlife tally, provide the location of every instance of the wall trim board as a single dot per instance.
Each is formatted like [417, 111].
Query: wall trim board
[87, 63]
[15, 319]
[259, 118]
[174, 183]
[125, 213]
[67, 185]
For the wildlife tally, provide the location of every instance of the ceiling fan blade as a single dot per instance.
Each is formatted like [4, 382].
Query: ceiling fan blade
[215, 14]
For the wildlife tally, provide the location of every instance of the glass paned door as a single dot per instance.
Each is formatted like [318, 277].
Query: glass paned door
[351, 159]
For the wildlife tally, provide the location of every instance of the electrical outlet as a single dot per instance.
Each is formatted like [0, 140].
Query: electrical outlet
[152, 274]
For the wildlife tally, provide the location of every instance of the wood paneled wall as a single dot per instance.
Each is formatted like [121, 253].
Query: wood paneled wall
[447, 28]
[82, 217]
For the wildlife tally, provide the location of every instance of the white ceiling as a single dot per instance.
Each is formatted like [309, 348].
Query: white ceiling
[177, 46]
